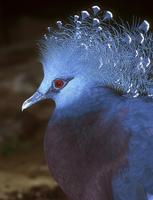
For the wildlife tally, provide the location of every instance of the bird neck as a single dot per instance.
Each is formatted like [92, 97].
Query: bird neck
[99, 98]
[84, 142]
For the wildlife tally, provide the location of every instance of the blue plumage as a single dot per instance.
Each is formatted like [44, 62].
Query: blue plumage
[116, 55]
[99, 140]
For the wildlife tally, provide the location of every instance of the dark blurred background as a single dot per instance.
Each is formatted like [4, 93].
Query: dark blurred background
[23, 172]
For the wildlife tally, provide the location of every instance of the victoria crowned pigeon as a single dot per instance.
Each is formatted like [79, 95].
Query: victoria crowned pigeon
[99, 141]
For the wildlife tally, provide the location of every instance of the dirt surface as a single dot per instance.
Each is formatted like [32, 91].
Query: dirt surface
[24, 175]
[38, 193]
[17, 172]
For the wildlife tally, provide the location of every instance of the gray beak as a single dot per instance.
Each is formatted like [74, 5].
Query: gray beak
[32, 100]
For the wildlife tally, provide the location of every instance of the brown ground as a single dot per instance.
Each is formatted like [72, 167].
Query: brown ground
[24, 176]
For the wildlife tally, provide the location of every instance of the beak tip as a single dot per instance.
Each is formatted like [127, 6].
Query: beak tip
[32, 100]
[25, 105]
[22, 109]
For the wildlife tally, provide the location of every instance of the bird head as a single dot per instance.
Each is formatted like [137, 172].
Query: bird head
[90, 52]
[65, 79]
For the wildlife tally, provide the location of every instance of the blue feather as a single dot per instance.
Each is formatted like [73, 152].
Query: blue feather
[126, 53]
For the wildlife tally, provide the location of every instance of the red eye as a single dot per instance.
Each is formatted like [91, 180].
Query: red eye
[58, 83]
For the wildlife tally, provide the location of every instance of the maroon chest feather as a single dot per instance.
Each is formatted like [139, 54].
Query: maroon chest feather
[84, 154]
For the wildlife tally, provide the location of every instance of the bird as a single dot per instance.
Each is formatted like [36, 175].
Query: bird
[99, 140]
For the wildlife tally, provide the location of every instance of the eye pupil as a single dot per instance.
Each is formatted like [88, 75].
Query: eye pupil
[58, 83]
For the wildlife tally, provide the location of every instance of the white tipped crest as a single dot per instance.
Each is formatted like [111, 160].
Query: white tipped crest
[136, 94]
[96, 22]
[136, 53]
[78, 23]
[84, 45]
[117, 46]
[49, 29]
[99, 29]
[127, 39]
[107, 16]
[96, 9]
[101, 63]
[109, 45]
[147, 62]
[129, 89]
[59, 24]
[76, 18]
[144, 26]
[45, 36]
[84, 14]
[141, 38]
